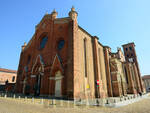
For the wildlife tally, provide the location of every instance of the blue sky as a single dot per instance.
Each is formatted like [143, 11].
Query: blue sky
[115, 22]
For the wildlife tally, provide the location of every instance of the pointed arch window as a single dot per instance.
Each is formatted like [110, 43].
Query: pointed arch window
[61, 44]
[85, 57]
[43, 42]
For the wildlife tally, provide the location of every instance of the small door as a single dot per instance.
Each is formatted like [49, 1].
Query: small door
[58, 88]
[37, 85]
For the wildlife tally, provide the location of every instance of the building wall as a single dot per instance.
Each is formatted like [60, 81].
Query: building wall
[118, 78]
[146, 81]
[4, 76]
[86, 82]
[7, 77]
[108, 74]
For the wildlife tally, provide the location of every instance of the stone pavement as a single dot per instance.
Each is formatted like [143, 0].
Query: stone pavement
[8, 105]
[126, 100]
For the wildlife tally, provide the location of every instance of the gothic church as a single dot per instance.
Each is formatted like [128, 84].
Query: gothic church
[63, 60]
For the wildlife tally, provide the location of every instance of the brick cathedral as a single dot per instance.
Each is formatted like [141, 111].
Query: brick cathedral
[63, 60]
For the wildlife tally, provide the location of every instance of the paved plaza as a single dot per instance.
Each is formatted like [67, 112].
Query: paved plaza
[15, 106]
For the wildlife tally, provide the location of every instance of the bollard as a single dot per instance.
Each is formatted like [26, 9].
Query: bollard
[46, 103]
[68, 103]
[19, 97]
[114, 100]
[41, 101]
[120, 99]
[128, 98]
[61, 102]
[54, 103]
[134, 96]
[74, 104]
[14, 96]
[107, 102]
[87, 104]
[32, 99]
[5, 95]
[124, 98]
[25, 98]
[97, 102]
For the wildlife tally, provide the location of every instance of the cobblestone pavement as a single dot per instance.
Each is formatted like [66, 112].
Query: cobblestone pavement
[13, 106]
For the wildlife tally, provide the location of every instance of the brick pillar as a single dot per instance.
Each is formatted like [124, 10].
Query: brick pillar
[96, 66]
[77, 92]
[137, 78]
[76, 62]
[138, 70]
[108, 75]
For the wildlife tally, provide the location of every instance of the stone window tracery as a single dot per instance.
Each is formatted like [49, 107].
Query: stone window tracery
[85, 57]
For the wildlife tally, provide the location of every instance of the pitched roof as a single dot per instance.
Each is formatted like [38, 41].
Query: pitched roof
[7, 70]
[146, 77]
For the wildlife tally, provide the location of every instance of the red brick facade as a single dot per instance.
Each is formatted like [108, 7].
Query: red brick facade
[64, 60]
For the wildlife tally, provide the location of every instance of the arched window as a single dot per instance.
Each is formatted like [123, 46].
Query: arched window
[61, 44]
[43, 42]
[85, 57]
[13, 78]
[130, 48]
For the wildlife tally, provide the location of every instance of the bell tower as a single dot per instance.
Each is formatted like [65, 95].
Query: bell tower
[129, 52]
[130, 56]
